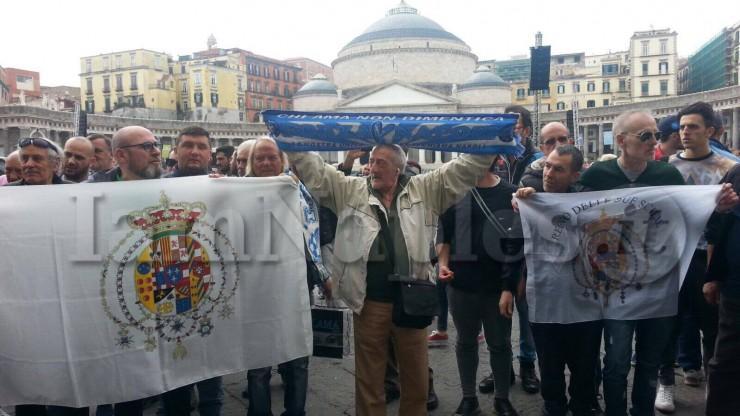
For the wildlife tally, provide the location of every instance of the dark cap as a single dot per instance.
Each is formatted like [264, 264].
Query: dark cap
[668, 125]
[719, 121]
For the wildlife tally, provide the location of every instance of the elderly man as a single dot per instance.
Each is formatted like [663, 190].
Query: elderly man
[635, 133]
[266, 160]
[577, 344]
[103, 160]
[242, 157]
[79, 154]
[552, 135]
[40, 159]
[407, 208]
[13, 170]
[193, 153]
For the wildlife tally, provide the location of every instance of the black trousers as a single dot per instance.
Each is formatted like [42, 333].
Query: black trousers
[574, 345]
[723, 398]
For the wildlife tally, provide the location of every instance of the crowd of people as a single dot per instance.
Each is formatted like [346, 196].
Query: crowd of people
[386, 225]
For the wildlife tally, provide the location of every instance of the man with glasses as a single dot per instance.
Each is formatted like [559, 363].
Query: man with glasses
[636, 135]
[137, 153]
[103, 160]
[78, 156]
[40, 160]
[700, 165]
[552, 135]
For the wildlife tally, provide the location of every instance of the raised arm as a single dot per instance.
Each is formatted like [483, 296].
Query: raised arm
[443, 187]
[325, 182]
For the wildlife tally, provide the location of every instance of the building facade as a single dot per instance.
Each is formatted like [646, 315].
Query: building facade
[133, 83]
[4, 88]
[654, 64]
[715, 65]
[22, 85]
[310, 68]
[271, 84]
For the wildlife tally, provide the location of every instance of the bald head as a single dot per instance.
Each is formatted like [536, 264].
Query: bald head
[13, 170]
[137, 153]
[78, 155]
[553, 135]
[129, 135]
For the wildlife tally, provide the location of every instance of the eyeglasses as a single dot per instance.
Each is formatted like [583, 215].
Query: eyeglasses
[551, 141]
[146, 146]
[39, 142]
[647, 135]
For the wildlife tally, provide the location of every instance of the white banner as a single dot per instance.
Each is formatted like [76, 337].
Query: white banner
[116, 291]
[619, 254]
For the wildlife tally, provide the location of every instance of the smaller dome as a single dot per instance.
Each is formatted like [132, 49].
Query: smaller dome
[483, 77]
[318, 85]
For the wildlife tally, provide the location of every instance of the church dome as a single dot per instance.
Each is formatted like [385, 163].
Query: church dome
[483, 77]
[318, 85]
[404, 21]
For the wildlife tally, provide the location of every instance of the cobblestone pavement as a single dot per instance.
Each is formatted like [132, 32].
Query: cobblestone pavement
[331, 388]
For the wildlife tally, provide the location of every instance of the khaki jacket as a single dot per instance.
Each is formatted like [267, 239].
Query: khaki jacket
[419, 205]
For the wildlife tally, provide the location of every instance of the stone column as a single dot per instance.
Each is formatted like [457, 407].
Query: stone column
[600, 139]
[736, 128]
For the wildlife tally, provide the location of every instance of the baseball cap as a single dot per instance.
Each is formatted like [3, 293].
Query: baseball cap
[668, 125]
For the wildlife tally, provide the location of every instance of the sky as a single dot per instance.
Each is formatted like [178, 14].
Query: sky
[50, 37]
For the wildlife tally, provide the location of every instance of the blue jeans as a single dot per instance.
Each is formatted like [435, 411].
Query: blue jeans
[210, 398]
[651, 338]
[295, 374]
[527, 350]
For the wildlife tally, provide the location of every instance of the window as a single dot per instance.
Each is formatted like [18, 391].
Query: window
[258, 86]
[198, 79]
[645, 88]
[267, 87]
[106, 84]
[530, 92]
[644, 68]
[119, 82]
[645, 47]
[610, 69]
[240, 84]
[520, 93]
[157, 61]
[89, 88]
[606, 102]
[88, 65]
[182, 69]
[561, 88]
[286, 91]
[664, 87]
[184, 87]
[249, 85]
[622, 85]
[133, 81]
[591, 86]
[107, 104]
[276, 73]
[132, 57]
[185, 105]
[576, 87]
[213, 78]
[250, 68]
[561, 60]
[106, 63]
[266, 72]
[605, 87]
[663, 67]
[560, 105]
[286, 77]
[90, 106]
[545, 93]
[591, 103]
[664, 46]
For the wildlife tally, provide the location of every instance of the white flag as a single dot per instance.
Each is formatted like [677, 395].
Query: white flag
[619, 254]
[117, 291]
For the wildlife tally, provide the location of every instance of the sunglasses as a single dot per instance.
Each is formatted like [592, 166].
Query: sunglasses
[551, 141]
[647, 135]
[38, 142]
[146, 146]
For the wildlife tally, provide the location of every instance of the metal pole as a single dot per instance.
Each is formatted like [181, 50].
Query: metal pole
[536, 124]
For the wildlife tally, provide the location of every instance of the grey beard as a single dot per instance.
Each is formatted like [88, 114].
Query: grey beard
[151, 172]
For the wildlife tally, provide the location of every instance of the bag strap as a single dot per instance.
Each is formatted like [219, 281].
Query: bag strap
[385, 231]
[487, 212]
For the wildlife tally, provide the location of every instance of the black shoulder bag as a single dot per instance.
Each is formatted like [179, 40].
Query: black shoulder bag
[416, 302]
